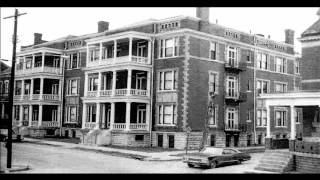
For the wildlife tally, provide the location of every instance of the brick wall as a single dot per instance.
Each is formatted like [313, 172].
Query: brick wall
[305, 164]
[309, 65]
[128, 139]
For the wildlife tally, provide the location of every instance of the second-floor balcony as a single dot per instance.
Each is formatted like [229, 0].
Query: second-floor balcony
[231, 126]
[128, 48]
[234, 66]
[39, 62]
[232, 97]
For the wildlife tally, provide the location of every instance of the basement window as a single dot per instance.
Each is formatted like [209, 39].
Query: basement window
[139, 137]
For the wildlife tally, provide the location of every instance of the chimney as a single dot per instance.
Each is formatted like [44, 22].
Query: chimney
[289, 36]
[103, 26]
[37, 38]
[203, 13]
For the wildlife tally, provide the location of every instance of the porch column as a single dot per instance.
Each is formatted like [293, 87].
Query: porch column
[59, 113]
[130, 48]
[60, 89]
[112, 115]
[129, 82]
[31, 87]
[87, 60]
[21, 113]
[115, 50]
[99, 83]
[103, 117]
[148, 83]
[40, 115]
[128, 110]
[148, 116]
[293, 123]
[268, 122]
[30, 114]
[114, 81]
[41, 87]
[86, 84]
[42, 65]
[84, 115]
[97, 115]
[33, 60]
[22, 89]
[100, 53]
[149, 52]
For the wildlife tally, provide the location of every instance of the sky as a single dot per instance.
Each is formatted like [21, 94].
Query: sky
[55, 23]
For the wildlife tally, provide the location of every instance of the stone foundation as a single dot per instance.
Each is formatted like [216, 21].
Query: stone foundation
[131, 139]
[307, 163]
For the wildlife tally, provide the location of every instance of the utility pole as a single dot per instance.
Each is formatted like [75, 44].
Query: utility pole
[9, 143]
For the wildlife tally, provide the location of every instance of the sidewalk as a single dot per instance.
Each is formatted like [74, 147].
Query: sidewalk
[144, 156]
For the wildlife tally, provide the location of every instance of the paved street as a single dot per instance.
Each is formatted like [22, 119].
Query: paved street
[51, 159]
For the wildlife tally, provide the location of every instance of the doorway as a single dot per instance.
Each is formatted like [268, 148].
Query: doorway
[248, 140]
[236, 140]
[228, 139]
[171, 141]
[160, 140]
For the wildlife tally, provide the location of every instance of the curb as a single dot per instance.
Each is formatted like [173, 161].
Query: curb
[17, 169]
[161, 160]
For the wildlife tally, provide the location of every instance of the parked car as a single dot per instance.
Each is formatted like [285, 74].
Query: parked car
[15, 137]
[212, 157]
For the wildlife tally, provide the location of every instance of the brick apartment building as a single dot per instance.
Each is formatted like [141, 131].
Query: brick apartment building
[146, 83]
[5, 72]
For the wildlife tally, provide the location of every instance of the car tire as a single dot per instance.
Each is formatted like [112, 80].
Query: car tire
[190, 165]
[213, 164]
[239, 161]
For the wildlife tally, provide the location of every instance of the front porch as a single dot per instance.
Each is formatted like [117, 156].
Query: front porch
[117, 116]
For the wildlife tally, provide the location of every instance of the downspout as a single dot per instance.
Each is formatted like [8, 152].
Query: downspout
[63, 95]
[254, 93]
[151, 84]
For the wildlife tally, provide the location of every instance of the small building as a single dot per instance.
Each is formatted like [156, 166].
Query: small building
[5, 74]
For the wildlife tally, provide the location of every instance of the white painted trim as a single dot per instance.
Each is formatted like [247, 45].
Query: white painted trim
[205, 59]
[310, 80]
[254, 68]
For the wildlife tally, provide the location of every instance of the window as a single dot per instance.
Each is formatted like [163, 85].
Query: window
[168, 80]
[25, 113]
[231, 118]
[169, 47]
[16, 112]
[280, 87]
[213, 82]
[139, 137]
[94, 54]
[232, 56]
[261, 117]
[91, 113]
[6, 87]
[281, 65]
[296, 67]
[248, 115]
[232, 86]
[27, 88]
[18, 88]
[296, 115]
[72, 87]
[74, 61]
[248, 56]
[262, 61]
[281, 118]
[167, 114]
[262, 87]
[93, 84]
[72, 114]
[213, 51]
[1, 87]
[28, 64]
[213, 114]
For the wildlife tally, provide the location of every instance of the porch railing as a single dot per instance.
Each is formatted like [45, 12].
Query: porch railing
[119, 126]
[138, 126]
[121, 92]
[34, 123]
[106, 93]
[92, 93]
[35, 96]
[138, 92]
[50, 123]
[54, 97]
[140, 59]
[25, 97]
[17, 97]
[90, 125]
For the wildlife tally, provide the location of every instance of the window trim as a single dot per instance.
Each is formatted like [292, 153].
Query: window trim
[216, 46]
[69, 89]
[174, 108]
[161, 81]
[262, 118]
[216, 116]
[268, 83]
[162, 47]
[285, 120]
[281, 83]
[68, 115]
[216, 81]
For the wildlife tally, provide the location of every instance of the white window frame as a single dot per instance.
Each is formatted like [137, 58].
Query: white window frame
[71, 61]
[91, 82]
[263, 80]
[297, 67]
[235, 119]
[284, 121]
[213, 86]
[284, 86]
[213, 48]
[141, 111]
[236, 51]
[162, 80]
[90, 113]
[163, 47]
[234, 80]
[262, 120]
[69, 87]
[283, 64]
[213, 115]
[6, 86]
[161, 115]
[69, 110]
[263, 59]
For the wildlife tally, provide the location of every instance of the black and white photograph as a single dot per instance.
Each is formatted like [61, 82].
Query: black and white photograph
[160, 90]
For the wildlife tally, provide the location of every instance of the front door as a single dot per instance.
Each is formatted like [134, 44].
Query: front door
[171, 141]
[249, 140]
[228, 139]
[160, 140]
[236, 140]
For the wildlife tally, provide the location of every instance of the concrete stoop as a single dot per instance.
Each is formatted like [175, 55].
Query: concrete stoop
[275, 161]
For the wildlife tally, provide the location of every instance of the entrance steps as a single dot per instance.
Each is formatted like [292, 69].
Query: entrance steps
[275, 161]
